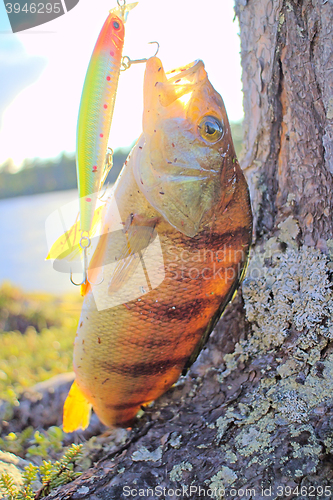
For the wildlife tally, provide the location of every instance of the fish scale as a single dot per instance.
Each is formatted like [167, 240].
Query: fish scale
[128, 355]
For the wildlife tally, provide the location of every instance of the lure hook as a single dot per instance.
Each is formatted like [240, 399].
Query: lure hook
[85, 243]
[126, 62]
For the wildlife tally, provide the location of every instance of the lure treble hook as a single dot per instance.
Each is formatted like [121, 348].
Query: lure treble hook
[85, 243]
[126, 62]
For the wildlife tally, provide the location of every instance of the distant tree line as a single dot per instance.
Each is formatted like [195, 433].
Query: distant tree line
[42, 176]
[58, 174]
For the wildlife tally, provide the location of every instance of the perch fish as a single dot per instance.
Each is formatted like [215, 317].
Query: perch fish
[182, 187]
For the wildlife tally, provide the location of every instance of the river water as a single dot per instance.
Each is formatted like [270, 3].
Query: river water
[24, 244]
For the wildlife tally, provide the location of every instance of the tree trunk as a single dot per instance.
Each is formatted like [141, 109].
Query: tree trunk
[253, 418]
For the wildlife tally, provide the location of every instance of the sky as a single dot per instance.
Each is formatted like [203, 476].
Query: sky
[42, 69]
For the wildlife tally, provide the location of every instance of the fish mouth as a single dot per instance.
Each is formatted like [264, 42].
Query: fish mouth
[184, 79]
[161, 89]
[184, 71]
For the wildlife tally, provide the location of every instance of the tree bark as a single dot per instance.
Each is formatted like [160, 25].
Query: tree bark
[253, 418]
[287, 82]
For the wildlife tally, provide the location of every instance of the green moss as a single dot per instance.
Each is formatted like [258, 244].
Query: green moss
[18, 310]
[39, 481]
[45, 348]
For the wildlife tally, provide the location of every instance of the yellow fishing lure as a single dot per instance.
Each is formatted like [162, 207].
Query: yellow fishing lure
[96, 111]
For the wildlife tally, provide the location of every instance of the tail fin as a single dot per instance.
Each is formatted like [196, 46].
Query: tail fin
[77, 410]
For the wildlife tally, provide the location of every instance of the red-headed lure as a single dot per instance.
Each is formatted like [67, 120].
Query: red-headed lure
[95, 117]
[96, 110]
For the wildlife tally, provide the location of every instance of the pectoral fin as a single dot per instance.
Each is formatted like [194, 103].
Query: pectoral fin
[124, 270]
[77, 410]
[139, 233]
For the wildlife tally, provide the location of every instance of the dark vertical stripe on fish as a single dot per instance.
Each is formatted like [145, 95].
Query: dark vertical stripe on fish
[148, 368]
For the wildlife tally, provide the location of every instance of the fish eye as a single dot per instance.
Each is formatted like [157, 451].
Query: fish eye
[116, 25]
[210, 129]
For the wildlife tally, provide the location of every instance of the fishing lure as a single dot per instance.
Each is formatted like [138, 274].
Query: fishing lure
[181, 185]
[93, 158]
[93, 163]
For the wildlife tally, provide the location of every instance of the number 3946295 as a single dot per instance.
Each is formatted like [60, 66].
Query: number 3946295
[307, 491]
[39, 8]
